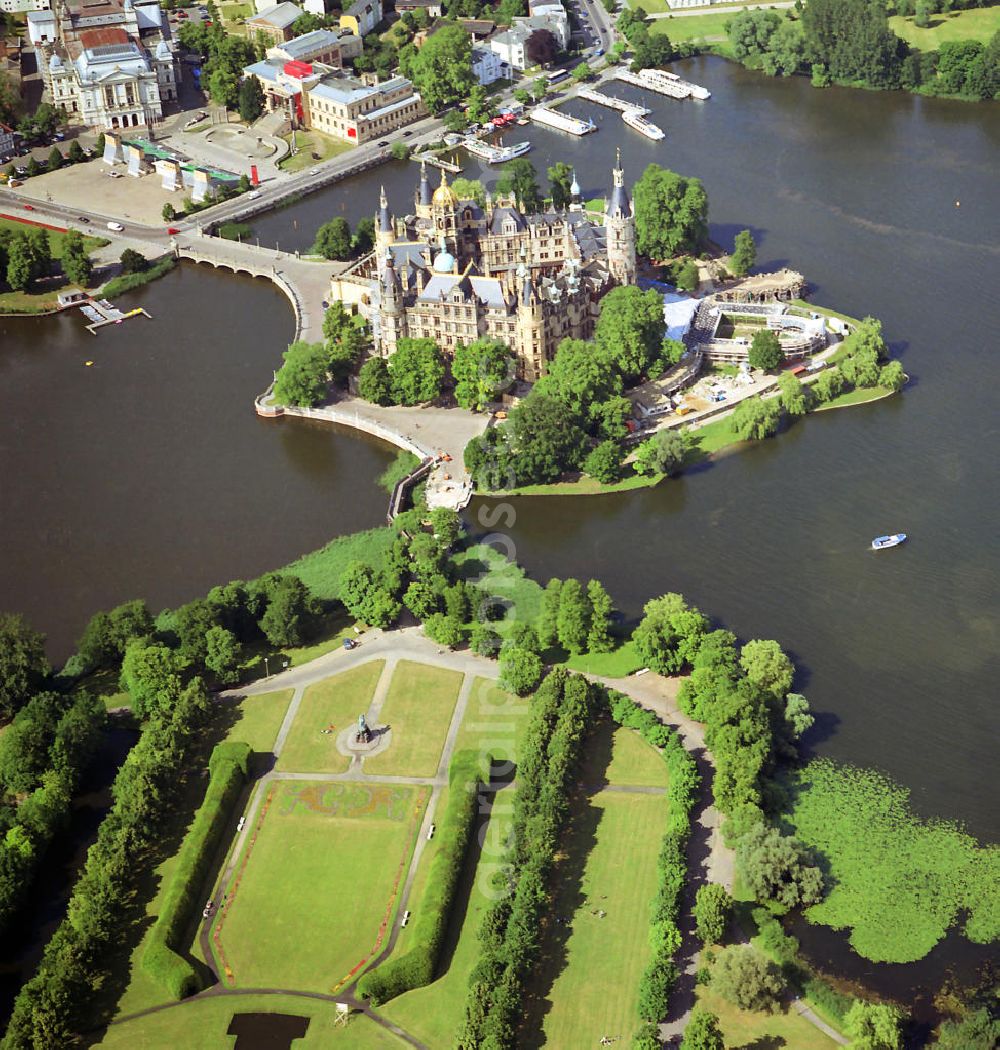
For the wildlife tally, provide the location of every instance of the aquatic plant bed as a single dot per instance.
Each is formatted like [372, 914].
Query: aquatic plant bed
[314, 893]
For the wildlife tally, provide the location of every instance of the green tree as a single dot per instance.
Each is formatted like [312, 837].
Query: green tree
[442, 68]
[776, 869]
[520, 670]
[416, 371]
[793, 395]
[669, 633]
[874, 1026]
[630, 329]
[522, 178]
[223, 654]
[422, 600]
[742, 976]
[22, 663]
[671, 213]
[560, 177]
[583, 377]
[18, 264]
[54, 163]
[599, 638]
[755, 419]
[76, 263]
[768, 667]
[829, 384]
[797, 717]
[977, 1030]
[364, 236]
[581, 73]
[151, 675]
[224, 88]
[303, 379]
[481, 106]
[546, 443]
[604, 463]
[712, 910]
[291, 613]
[76, 154]
[168, 212]
[852, 39]
[892, 376]
[765, 350]
[688, 276]
[482, 371]
[250, 100]
[744, 254]
[133, 262]
[663, 453]
[469, 190]
[703, 1032]
[345, 340]
[547, 624]
[445, 630]
[374, 384]
[366, 597]
[24, 749]
[573, 621]
[333, 240]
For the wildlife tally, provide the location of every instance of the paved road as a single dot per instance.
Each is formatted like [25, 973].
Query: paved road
[720, 9]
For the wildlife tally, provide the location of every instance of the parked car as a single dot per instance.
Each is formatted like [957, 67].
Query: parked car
[82, 218]
[29, 207]
[114, 174]
[172, 230]
[116, 226]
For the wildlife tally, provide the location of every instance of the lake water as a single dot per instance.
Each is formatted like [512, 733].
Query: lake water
[148, 474]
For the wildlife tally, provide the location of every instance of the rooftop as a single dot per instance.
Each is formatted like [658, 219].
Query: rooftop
[317, 40]
[281, 16]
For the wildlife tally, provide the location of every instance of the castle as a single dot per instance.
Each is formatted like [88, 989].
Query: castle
[455, 271]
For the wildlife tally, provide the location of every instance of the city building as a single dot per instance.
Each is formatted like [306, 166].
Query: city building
[108, 63]
[17, 7]
[454, 271]
[8, 144]
[510, 44]
[315, 95]
[329, 47]
[434, 8]
[362, 16]
[488, 66]
[274, 24]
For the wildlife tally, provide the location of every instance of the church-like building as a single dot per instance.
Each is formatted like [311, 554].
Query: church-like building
[455, 271]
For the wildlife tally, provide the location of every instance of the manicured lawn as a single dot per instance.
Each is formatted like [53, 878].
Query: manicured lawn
[824, 310]
[331, 704]
[494, 722]
[319, 877]
[743, 1028]
[55, 239]
[710, 28]
[619, 756]
[308, 143]
[202, 1024]
[623, 661]
[418, 708]
[588, 983]
[258, 719]
[978, 23]
[860, 396]
[585, 486]
[712, 437]
[502, 579]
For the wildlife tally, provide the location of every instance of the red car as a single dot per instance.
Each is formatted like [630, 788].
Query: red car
[29, 207]
[172, 230]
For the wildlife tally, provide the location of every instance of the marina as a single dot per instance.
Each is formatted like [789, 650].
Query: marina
[638, 122]
[100, 313]
[662, 83]
[600, 99]
[560, 121]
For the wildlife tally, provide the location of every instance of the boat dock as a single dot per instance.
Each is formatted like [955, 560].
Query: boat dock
[560, 121]
[600, 99]
[100, 313]
[429, 158]
[662, 83]
[495, 154]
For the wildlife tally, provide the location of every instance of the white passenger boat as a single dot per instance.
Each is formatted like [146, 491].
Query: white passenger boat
[495, 154]
[638, 122]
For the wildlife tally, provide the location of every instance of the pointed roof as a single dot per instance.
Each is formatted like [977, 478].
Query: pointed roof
[619, 206]
[384, 215]
[425, 185]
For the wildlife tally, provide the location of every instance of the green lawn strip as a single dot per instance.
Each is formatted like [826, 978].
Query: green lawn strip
[104, 684]
[824, 310]
[402, 466]
[897, 882]
[618, 664]
[710, 28]
[634, 762]
[494, 722]
[330, 633]
[307, 143]
[127, 282]
[321, 570]
[490, 569]
[745, 1028]
[860, 396]
[307, 900]
[615, 839]
[418, 708]
[202, 1024]
[331, 704]
[55, 239]
[978, 23]
[257, 719]
[582, 486]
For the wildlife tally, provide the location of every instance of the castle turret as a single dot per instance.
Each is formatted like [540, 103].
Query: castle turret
[619, 226]
[423, 197]
[444, 211]
[530, 339]
[575, 195]
[391, 309]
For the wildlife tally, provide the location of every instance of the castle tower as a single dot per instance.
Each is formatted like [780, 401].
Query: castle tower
[575, 195]
[530, 339]
[619, 226]
[391, 309]
[422, 198]
[444, 212]
[384, 232]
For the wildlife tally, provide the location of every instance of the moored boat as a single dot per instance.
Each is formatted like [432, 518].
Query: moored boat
[638, 122]
[893, 540]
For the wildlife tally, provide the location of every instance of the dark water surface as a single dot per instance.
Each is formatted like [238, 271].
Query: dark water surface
[148, 474]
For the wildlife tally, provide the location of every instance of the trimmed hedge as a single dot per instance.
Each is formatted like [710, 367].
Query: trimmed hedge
[174, 973]
[658, 979]
[416, 967]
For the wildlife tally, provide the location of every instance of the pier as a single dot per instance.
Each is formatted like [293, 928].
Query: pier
[662, 83]
[446, 165]
[560, 121]
[100, 313]
[600, 99]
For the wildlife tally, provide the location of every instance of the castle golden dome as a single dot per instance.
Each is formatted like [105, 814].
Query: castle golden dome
[444, 195]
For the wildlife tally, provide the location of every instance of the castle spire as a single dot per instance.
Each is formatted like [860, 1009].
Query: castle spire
[384, 215]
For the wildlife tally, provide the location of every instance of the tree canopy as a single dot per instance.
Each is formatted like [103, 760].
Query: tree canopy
[671, 213]
[442, 68]
[482, 371]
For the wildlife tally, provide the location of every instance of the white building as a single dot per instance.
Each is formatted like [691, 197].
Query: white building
[16, 7]
[489, 66]
[41, 27]
[510, 44]
[362, 16]
[110, 64]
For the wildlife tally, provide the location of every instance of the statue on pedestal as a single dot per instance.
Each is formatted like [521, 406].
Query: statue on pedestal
[364, 734]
